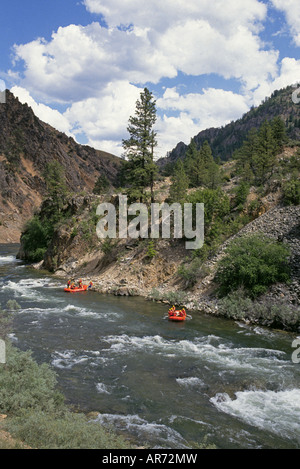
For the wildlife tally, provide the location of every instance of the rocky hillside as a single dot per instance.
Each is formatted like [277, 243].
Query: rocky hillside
[225, 140]
[126, 267]
[26, 145]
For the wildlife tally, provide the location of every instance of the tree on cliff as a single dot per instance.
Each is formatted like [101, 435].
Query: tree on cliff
[55, 179]
[39, 231]
[140, 168]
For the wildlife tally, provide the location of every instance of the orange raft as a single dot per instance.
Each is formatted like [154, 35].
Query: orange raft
[177, 315]
[76, 289]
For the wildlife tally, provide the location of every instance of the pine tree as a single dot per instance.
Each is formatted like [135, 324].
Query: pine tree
[102, 185]
[213, 175]
[139, 147]
[279, 133]
[180, 183]
[55, 179]
[191, 161]
[264, 161]
[200, 164]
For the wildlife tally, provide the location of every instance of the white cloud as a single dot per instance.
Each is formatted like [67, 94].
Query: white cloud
[166, 37]
[196, 112]
[197, 48]
[172, 130]
[211, 108]
[159, 16]
[104, 119]
[289, 75]
[80, 60]
[291, 9]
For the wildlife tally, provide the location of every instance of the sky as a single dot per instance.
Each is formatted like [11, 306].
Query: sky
[82, 64]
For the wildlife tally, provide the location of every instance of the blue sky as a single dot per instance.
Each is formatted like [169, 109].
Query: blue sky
[81, 65]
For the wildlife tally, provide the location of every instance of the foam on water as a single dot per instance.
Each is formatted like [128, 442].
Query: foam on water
[277, 412]
[28, 288]
[190, 382]
[209, 349]
[67, 359]
[7, 259]
[102, 388]
[146, 430]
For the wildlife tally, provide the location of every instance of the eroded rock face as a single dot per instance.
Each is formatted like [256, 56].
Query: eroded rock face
[26, 146]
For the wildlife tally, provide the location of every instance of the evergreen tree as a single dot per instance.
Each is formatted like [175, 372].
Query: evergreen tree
[139, 147]
[201, 168]
[279, 134]
[264, 161]
[256, 157]
[191, 162]
[180, 183]
[213, 175]
[102, 185]
[55, 179]
[249, 149]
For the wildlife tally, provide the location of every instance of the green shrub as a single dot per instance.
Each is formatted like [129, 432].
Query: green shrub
[26, 385]
[65, 431]
[193, 272]
[254, 263]
[36, 411]
[35, 239]
[151, 251]
[172, 297]
[241, 195]
[291, 192]
[102, 185]
[239, 307]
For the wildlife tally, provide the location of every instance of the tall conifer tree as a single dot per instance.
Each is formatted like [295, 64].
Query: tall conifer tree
[139, 147]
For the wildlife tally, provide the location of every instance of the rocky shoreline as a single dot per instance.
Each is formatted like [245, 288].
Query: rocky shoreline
[127, 271]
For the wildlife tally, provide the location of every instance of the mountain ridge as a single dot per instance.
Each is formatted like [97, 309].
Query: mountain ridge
[226, 139]
[27, 144]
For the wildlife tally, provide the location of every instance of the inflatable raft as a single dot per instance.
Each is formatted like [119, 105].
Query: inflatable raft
[177, 315]
[76, 289]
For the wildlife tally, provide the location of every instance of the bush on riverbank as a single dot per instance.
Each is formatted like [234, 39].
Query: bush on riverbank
[279, 315]
[66, 430]
[37, 412]
[254, 263]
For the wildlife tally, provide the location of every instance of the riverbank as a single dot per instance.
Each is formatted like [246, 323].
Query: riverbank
[126, 269]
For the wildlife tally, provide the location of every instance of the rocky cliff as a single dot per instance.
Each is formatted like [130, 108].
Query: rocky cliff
[26, 145]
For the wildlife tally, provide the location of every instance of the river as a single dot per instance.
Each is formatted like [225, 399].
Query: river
[167, 385]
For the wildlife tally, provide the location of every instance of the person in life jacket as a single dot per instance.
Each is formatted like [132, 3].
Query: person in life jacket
[90, 285]
[80, 283]
[69, 284]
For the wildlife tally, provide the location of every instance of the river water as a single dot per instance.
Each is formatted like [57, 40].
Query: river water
[166, 385]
